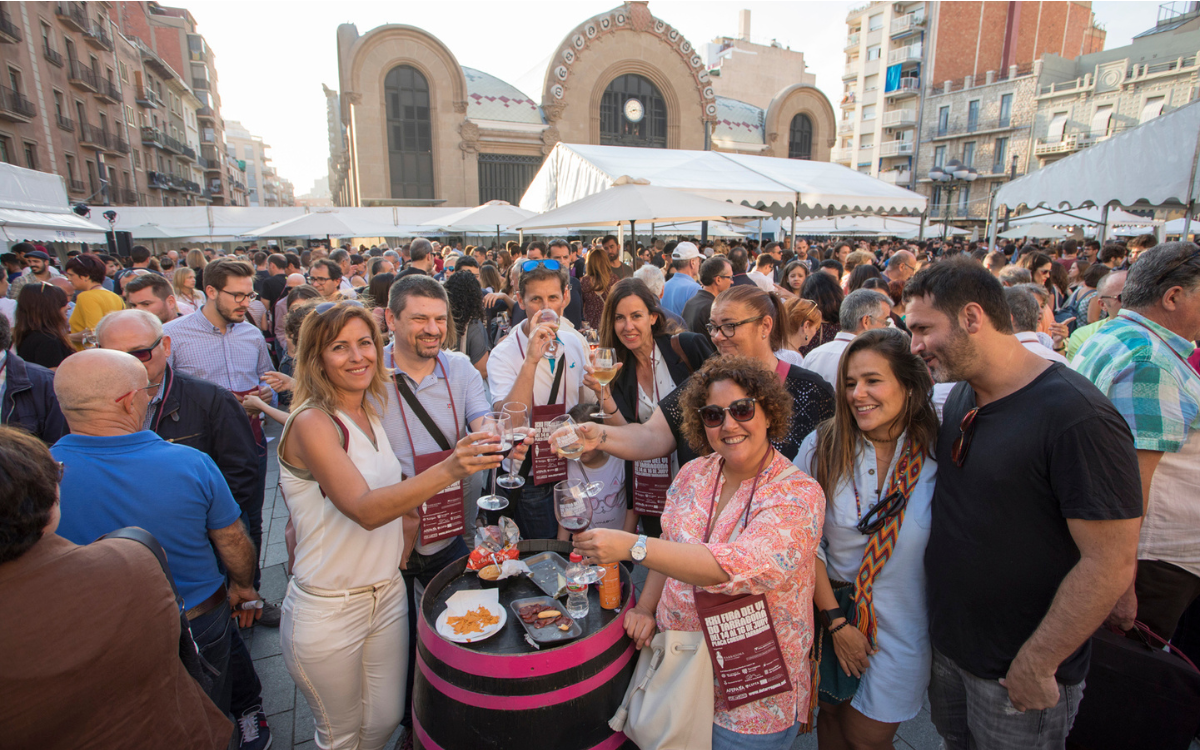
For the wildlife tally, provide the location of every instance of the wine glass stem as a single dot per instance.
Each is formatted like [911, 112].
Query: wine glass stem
[583, 471]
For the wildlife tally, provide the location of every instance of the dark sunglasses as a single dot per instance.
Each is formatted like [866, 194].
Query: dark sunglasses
[741, 410]
[961, 445]
[883, 511]
[147, 354]
[325, 307]
[549, 263]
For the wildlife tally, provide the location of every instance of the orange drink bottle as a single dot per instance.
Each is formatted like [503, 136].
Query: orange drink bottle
[610, 586]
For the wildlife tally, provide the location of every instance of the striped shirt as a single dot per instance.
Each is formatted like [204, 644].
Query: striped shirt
[235, 360]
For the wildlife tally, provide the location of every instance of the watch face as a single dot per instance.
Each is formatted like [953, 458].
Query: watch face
[634, 110]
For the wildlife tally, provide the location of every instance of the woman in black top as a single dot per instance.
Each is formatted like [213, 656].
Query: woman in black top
[466, 310]
[40, 332]
[821, 288]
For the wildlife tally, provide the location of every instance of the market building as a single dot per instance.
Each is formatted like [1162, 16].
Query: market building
[414, 127]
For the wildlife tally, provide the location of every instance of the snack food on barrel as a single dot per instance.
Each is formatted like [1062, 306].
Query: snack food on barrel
[474, 621]
[494, 545]
[541, 615]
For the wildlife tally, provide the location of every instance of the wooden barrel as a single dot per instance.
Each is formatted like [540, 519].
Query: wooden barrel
[473, 696]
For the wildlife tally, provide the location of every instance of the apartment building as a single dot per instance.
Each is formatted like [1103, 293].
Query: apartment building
[263, 186]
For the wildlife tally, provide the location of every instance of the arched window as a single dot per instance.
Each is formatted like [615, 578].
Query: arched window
[800, 138]
[633, 113]
[410, 133]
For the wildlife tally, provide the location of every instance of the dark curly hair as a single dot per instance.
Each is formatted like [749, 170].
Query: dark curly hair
[28, 491]
[466, 300]
[759, 383]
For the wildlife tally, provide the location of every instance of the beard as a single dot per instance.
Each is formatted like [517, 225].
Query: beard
[954, 359]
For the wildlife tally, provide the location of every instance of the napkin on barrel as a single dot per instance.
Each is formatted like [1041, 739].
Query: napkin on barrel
[462, 602]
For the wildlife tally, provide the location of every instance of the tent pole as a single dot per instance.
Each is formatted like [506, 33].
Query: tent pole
[795, 208]
[633, 257]
[993, 220]
[703, 232]
[760, 233]
[620, 238]
[1102, 230]
[1191, 194]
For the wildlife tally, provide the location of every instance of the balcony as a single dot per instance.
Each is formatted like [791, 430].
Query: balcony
[93, 137]
[155, 62]
[157, 181]
[107, 91]
[8, 30]
[98, 37]
[960, 128]
[906, 23]
[1070, 143]
[211, 157]
[15, 107]
[192, 187]
[851, 71]
[65, 123]
[172, 145]
[846, 127]
[131, 197]
[147, 97]
[76, 186]
[852, 40]
[117, 144]
[151, 136]
[206, 113]
[901, 177]
[74, 16]
[843, 155]
[849, 101]
[200, 84]
[52, 56]
[83, 77]
[188, 152]
[896, 148]
[900, 118]
[908, 87]
[215, 188]
[911, 53]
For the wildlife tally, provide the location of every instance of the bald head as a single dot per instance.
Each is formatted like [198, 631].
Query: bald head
[89, 383]
[124, 324]
[296, 279]
[1112, 283]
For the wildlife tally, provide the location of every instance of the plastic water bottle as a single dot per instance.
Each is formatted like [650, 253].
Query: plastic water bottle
[577, 589]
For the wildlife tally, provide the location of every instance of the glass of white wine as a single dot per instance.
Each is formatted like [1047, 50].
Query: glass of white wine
[498, 426]
[604, 369]
[570, 445]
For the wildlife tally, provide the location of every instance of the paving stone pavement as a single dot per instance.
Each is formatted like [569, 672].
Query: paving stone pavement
[288, 714]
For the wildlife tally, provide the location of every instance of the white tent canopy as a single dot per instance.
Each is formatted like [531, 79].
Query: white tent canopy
[631, 200]
[490, 217]
[329, 223]
[807, 188]
[882, 226]
[34, 206]
[1082, 217]
[1034, 231]
[228, 223]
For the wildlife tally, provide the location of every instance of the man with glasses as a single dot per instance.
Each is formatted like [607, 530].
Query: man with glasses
[862, 310]
[326, 278]
[117, 474]
[1108, 294]
[1035, 519]
[716, 275]
[218, 344]
[1139, 360]
[901, 266]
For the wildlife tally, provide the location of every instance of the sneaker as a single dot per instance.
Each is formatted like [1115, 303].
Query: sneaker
[270, 615]
[253, 730]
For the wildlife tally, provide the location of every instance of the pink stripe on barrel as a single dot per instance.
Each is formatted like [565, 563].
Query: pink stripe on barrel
[525, 702]
[521, 666]
[612, 743]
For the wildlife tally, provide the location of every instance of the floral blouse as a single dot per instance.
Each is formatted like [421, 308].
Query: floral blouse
[774, 555]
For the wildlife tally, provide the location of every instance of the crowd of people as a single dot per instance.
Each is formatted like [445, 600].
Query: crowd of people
[939, 467]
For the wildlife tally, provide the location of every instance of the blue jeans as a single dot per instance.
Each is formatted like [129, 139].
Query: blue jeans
[971, 712]
[245, 688]
[727, 739]
[423, 568]
[213, 633]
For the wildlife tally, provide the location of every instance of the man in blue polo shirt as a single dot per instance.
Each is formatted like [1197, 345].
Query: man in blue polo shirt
[685, 260]
[115, 474]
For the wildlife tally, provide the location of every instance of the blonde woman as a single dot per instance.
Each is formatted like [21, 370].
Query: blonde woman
[196, 261]
[805, 321]
[345, 615]
[187, 298]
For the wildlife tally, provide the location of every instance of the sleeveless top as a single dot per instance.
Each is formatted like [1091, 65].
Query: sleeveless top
[334, 553]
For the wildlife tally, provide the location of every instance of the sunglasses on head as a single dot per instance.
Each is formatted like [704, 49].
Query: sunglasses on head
[325, 307]
[549, 263]
[741, 410]
[147, 354]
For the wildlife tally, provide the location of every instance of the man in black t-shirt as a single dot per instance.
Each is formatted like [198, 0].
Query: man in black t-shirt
[1035, 519]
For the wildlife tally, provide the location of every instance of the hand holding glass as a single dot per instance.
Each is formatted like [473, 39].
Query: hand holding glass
[544, 316]
[604, 369]
[570, 445]
[497, 425]
[517, 415]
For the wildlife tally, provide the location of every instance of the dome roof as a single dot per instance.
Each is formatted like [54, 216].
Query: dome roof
[739, 122]
[489, 98]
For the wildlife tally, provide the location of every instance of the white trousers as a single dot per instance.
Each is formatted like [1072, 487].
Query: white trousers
[348, 654]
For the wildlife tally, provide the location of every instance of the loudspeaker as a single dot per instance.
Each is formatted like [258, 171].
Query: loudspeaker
[119, 244]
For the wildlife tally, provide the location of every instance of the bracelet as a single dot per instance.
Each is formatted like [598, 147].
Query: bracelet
[612, 413]
[839, 627]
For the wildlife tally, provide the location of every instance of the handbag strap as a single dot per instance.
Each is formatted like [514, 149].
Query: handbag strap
[147, 540]
[1149, 635]
[679, 350]
[411, 399]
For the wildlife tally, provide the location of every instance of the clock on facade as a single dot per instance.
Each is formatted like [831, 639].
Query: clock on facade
[634, 111]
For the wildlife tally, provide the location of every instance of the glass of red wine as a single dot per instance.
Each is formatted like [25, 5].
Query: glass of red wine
[499, 427]
[573, 509]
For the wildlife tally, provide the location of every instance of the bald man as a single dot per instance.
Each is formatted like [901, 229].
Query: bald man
[115, 474]
[901, 266]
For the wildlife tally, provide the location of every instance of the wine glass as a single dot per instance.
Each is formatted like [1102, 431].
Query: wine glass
[496, 424]
[517, 417]
[591, 335]
[571, 446]
[604, 369]
[546, 315]
[571, 506]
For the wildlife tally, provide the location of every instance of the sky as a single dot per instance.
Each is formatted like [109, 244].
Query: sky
[272, 57]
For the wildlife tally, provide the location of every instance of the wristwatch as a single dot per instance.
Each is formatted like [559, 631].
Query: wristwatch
[827, 616]
[638, 550]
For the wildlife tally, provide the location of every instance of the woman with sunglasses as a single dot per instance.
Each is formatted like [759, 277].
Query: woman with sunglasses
[344, 625]
[874, 461]
[739, 521]
[40, 333]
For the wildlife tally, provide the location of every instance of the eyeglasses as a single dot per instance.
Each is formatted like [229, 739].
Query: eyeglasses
[550, 263]
[240, 298]
[961, 445]
[325, 307]
[713, 416]
[320, 278]
[1116, 299]
[884, 510]
[147, 387]
[727, 277]
[147, 354]
[728, 329]
[1176, 265]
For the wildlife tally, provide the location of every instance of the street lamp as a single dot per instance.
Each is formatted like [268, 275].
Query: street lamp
[953, 176]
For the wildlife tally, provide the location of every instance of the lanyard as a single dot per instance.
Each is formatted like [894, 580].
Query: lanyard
[653, 377]
[162, 402]
[453, 408]
[712, 503]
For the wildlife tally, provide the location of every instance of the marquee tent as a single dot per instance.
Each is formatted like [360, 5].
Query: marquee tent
[1082, 217]
[228, 223]
[34, 206]
[1034, 231]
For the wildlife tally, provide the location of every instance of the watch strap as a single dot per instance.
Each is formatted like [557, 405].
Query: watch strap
[827, 616]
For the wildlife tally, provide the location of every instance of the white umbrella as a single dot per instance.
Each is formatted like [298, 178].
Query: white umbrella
[491, 216]
[1034, 231]
[630, 200]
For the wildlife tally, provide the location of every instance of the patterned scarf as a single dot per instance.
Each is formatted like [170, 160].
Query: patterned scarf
[882, 542]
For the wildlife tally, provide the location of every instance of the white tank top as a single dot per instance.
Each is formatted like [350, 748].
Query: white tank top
[333, 553]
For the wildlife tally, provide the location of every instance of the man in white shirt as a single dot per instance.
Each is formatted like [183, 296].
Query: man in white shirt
[1026, 316]
[764, 272]
[862, 310]
[519, 372]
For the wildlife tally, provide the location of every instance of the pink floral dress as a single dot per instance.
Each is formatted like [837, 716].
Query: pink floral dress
[774, 555]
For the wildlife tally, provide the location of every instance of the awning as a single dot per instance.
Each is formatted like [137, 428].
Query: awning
[20, 225]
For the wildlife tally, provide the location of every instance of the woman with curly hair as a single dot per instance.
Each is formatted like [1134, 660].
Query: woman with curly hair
[739, 520]
[466, 310]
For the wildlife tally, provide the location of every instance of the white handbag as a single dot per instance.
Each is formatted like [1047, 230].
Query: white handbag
[669, 703]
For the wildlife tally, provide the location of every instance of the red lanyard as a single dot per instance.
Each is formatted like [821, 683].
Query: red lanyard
[449, 393]
[753, 488]
[562, 361]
